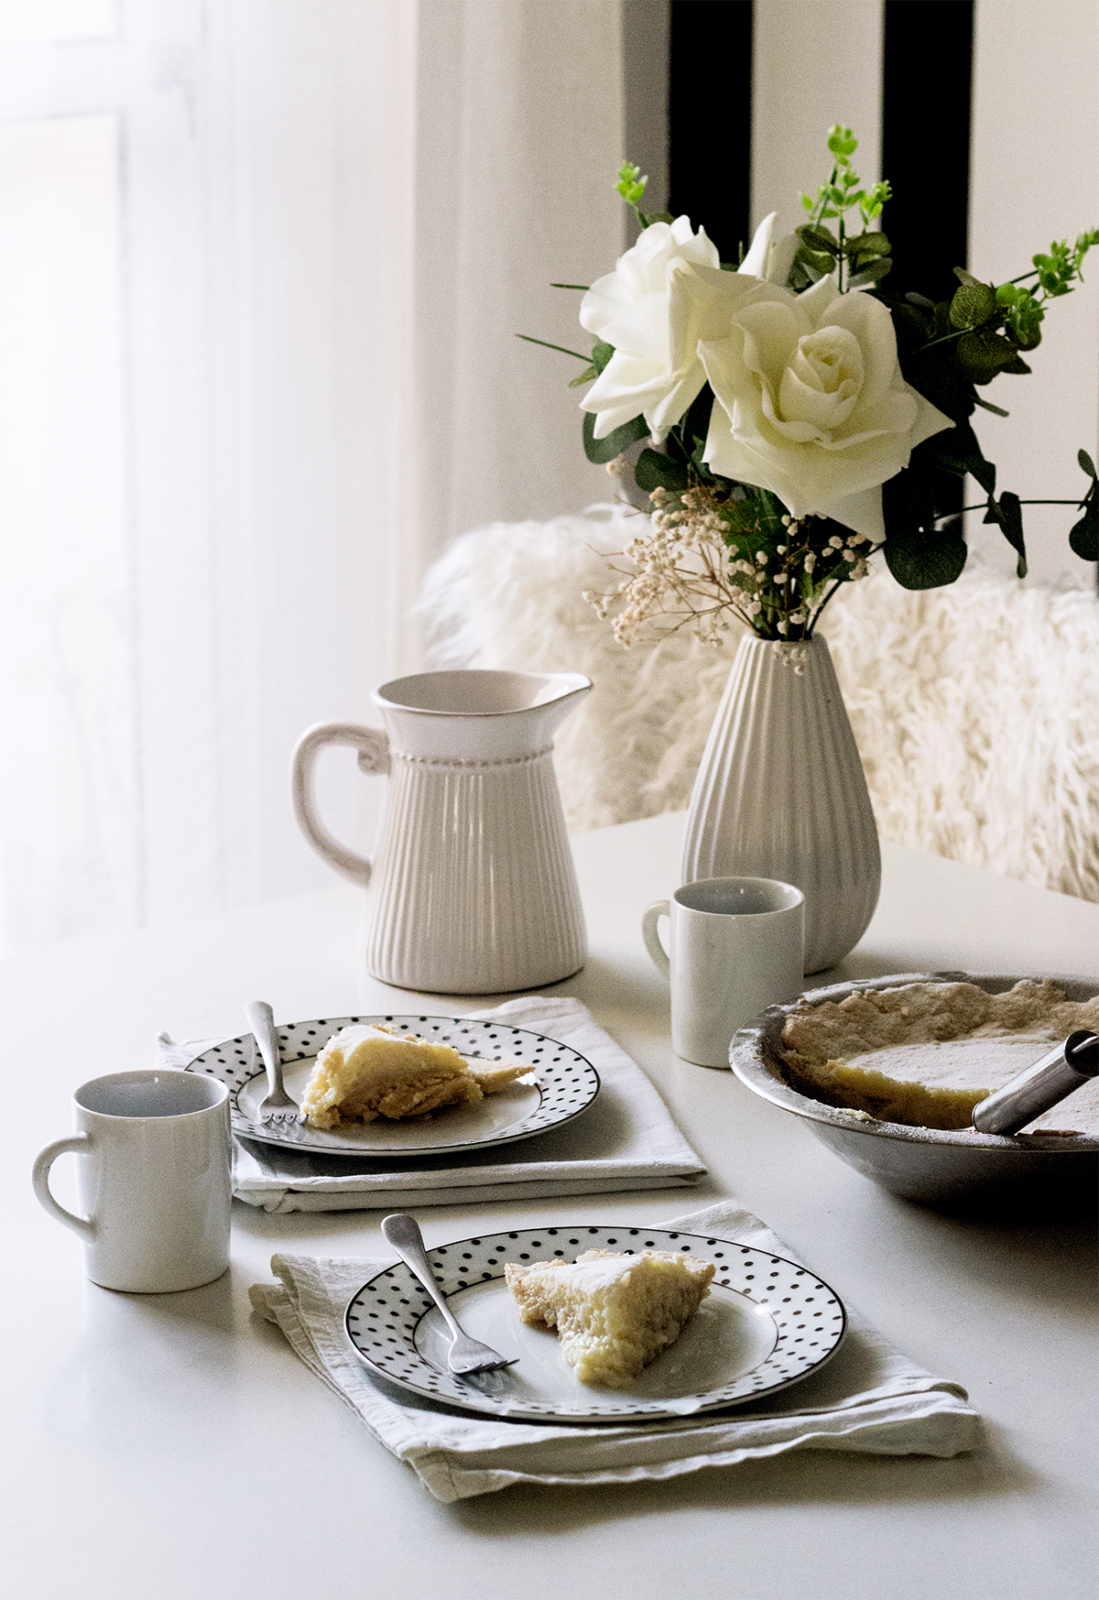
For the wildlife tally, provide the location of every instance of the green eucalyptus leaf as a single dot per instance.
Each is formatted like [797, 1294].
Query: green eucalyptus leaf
[601, 353]
[982, 354]
[821, 264]
[1084, 537]
[657, 471]
[1086, 464]
[965, 457]
[922, 559]
[1018, 369]
[919, 553]
[803, 275]
[869, 244]
[872, 272]
[819, 240]
[972, 305]
[1007, 514]
[600, 451]
[677, 447]
[965, 277]
[585, 377]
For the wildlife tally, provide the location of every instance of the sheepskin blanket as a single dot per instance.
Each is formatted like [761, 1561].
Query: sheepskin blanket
[975, 707]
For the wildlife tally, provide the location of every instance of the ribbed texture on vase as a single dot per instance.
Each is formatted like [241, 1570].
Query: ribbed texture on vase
[781, 794]
[473, 889]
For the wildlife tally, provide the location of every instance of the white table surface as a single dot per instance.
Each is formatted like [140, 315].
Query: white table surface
[172, 1447]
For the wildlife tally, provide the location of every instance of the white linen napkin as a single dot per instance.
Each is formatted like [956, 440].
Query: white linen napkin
[868, 1398]
[626, 1140]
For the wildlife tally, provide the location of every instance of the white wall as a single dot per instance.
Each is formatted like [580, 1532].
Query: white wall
[815, 63]
[1035, 177]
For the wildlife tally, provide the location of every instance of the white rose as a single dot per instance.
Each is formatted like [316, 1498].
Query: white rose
[770, 258]
[662, 298]
[811, 404]
[629, 309]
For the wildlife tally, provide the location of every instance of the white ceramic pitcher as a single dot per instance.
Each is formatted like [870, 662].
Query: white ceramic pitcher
[472, 886]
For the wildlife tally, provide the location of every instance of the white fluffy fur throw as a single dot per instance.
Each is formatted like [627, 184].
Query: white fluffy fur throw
[975, 707]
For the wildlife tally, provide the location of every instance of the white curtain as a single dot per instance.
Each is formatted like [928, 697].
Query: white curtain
[266, 264]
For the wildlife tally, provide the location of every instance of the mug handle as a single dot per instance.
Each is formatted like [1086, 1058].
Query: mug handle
[652, 915]
[41, 1180]
[373, 747]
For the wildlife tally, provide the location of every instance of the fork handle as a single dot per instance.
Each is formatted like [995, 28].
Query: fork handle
[403, 1233]
[261, 1020]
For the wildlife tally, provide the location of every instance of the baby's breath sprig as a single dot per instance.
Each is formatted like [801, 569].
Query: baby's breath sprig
[706, 556]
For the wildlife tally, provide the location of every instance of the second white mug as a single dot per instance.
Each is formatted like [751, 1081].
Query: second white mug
[154, 1149]
[736, 946]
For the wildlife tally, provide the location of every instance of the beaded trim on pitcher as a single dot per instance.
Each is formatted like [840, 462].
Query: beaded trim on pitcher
[469, 766]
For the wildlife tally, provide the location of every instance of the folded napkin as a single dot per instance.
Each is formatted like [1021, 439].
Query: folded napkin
[868, 1398]
[625, 1140]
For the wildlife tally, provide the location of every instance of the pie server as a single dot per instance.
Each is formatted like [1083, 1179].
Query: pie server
[1065, 1069]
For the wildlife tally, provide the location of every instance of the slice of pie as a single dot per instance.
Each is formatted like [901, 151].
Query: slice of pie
[366, 1071]
[613, 1313]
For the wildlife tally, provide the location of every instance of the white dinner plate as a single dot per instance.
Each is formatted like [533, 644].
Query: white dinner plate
[562, 1085]
[765, 1324]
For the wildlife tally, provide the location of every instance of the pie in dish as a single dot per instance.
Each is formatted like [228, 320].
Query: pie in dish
[366, 1071]
[613, 1313]
[926, 1053]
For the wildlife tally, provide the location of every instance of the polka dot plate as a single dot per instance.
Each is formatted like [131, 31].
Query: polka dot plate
[562, 1086]
[766, 1323]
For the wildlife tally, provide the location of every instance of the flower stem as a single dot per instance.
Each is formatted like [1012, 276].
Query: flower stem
[983, 506]
[547, 346]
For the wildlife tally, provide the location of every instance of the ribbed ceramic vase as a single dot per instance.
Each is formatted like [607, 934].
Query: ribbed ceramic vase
[781, 794]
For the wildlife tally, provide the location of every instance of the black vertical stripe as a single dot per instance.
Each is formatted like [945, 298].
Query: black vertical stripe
[926, 99]
[927, 84]
[710, 119]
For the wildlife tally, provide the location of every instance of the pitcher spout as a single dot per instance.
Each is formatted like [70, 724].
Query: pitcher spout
[475, 714]
[564, 692]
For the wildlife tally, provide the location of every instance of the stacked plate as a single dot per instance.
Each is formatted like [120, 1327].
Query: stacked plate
[562, 1085]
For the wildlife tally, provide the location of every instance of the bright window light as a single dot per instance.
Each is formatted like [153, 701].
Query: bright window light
[66, 793]
[54, 21]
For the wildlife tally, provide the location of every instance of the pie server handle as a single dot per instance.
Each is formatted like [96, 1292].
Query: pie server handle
[1066, 1068]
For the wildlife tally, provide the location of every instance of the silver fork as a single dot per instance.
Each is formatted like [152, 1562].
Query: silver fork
[276, 1109]
[467, 1355]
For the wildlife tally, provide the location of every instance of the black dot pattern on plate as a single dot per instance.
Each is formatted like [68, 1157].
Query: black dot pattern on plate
[383, 1318]
[566, 1083]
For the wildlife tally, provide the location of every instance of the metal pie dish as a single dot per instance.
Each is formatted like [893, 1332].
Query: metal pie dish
[933, 1165]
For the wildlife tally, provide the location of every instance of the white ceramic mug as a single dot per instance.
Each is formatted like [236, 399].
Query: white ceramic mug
[736, 946]
[153, 1178]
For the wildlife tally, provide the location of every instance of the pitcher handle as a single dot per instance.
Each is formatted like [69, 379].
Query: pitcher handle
[373, 747]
